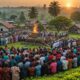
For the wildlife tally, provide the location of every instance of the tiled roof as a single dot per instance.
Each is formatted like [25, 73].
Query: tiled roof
[7, 24]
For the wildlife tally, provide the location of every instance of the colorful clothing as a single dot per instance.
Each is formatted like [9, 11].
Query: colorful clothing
[38, 70]
[15, 73]
[53, 67]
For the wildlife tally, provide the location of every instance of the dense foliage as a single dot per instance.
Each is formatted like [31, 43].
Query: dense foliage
[22, 18]
[61, 23]
[76, 16]
[54, 8]
[13, 17]
[33, 13]
[41, 27]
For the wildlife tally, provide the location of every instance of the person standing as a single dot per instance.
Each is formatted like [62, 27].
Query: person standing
[59, 65]
[75, 61]
[1, 72]
[38, 69]
[53, 67]
[6, 72]
[15, 72]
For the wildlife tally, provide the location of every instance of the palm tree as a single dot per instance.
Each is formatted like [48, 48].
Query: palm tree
[54, 8]
[33, 13]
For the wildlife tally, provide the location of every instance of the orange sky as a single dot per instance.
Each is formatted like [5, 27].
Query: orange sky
[73, 3]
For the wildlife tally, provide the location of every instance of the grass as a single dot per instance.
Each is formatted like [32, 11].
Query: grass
[76, 36]
[73, 74]
[25, 45]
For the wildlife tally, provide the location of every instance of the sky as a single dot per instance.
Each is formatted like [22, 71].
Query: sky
[72, 3]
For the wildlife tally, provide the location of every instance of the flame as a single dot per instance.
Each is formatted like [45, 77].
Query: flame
[35, 28]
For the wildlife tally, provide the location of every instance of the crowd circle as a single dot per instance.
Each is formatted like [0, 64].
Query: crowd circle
[21, 63]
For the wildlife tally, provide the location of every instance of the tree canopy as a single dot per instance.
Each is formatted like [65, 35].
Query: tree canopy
[33, 13]
[22, 17]
[3, 15]
[41, 27]
[61, 23]
[75, 16]
[54, 8]
[13, 17]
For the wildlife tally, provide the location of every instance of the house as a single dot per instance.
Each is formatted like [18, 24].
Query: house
[78, 26]
[75, 29]
[6, 30]
[6, 26]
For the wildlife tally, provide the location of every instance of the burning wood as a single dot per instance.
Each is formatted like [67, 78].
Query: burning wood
[35, 28]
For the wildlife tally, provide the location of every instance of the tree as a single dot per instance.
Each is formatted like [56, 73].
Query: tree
[76, 16]
[0, 13]
[41, 27]
[13, 17]
[44, 6]
[3, 16]
[54, 8]
[22, 17]
[61, 23]
[33, 13]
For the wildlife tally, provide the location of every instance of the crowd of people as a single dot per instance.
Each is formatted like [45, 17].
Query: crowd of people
[18, 64]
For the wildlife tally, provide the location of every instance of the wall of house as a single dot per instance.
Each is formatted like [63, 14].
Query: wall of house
[3, 28]
[79, 31]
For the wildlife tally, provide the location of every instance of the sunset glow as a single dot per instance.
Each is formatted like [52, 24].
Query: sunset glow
[63, 3]
[68, 5]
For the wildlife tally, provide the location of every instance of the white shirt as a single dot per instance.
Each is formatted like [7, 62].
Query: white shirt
[64, 53]
[65, 64]
[75, 62]
[42, 60]
[62, 58]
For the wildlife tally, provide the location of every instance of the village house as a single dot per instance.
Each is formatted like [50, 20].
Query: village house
[6, 30]
[75, 29]
[78, 28]
[6, 26]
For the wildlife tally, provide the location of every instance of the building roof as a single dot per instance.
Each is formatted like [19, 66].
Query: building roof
[78, 26]
[7, 24]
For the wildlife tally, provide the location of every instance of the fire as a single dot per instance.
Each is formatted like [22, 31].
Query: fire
[35, 28]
